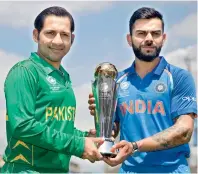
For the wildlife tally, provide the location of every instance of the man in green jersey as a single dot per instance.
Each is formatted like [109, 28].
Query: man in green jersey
[41, 104]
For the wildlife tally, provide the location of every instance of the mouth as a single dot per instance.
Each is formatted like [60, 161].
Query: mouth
[57, 49]
[148, 47]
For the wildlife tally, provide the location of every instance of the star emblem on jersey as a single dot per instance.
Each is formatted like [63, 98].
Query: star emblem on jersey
[160, 87]
[51, 80]
[124, 85]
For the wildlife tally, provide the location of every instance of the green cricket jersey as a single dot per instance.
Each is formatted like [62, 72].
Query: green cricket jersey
[40, 117]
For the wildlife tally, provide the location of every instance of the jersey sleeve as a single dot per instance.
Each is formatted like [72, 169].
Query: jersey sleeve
[20, 93]
[183, 94]
[80, 133]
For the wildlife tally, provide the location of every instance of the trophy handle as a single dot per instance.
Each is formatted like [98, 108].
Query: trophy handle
[96, 116]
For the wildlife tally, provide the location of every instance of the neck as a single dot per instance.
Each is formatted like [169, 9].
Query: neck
[143, 68]
[54, 64]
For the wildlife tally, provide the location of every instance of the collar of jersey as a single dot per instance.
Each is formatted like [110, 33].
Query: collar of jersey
[48, 68]
[157, 70]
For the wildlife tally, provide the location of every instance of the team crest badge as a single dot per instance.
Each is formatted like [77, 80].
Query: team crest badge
[51, 80]
[160, 87]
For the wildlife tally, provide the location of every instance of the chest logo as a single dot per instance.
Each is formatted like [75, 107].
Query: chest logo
[51, 80]
[124, 85]
[160, 87]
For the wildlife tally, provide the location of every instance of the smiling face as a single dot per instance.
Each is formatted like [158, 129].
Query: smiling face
[147, 38]
[55, 38]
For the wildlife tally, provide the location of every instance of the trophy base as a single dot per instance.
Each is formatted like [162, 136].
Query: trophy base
[105, 148]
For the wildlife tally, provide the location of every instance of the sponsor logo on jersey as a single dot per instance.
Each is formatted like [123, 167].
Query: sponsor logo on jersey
[189, 98]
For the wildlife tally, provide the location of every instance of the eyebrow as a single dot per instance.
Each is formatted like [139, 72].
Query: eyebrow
[50, 30]
[147, 31]
[65, 32]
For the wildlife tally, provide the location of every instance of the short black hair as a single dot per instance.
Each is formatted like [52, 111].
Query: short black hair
[56, 11]
[145, 13]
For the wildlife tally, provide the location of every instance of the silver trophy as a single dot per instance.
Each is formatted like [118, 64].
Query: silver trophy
[104, 89]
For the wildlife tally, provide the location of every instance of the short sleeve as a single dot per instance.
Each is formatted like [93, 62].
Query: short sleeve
[183, 94]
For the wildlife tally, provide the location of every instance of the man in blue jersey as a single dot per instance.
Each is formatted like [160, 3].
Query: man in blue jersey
[156, 104]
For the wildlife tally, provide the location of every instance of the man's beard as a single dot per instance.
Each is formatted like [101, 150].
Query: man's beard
[147, 57]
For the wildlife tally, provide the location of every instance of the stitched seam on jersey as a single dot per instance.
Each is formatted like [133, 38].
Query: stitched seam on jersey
[122, 77]
[171, 78]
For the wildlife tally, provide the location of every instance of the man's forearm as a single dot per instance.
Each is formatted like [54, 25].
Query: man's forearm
[39, 134]
[174, 136]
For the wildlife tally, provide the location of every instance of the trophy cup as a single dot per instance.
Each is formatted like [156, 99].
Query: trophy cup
[104, 89]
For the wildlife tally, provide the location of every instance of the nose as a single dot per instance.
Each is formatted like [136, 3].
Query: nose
[149, 37]
[57, 40]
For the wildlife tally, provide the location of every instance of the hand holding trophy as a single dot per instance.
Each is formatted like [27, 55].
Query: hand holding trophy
[104, 89]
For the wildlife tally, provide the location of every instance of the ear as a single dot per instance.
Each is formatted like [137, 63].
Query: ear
[72, 38]
[164, 38]
[129, 39]
[35, 35]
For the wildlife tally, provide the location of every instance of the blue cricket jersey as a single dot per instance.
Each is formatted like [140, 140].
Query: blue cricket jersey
[150, 105]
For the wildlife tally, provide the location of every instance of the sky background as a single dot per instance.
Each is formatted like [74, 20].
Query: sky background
[100, 35]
